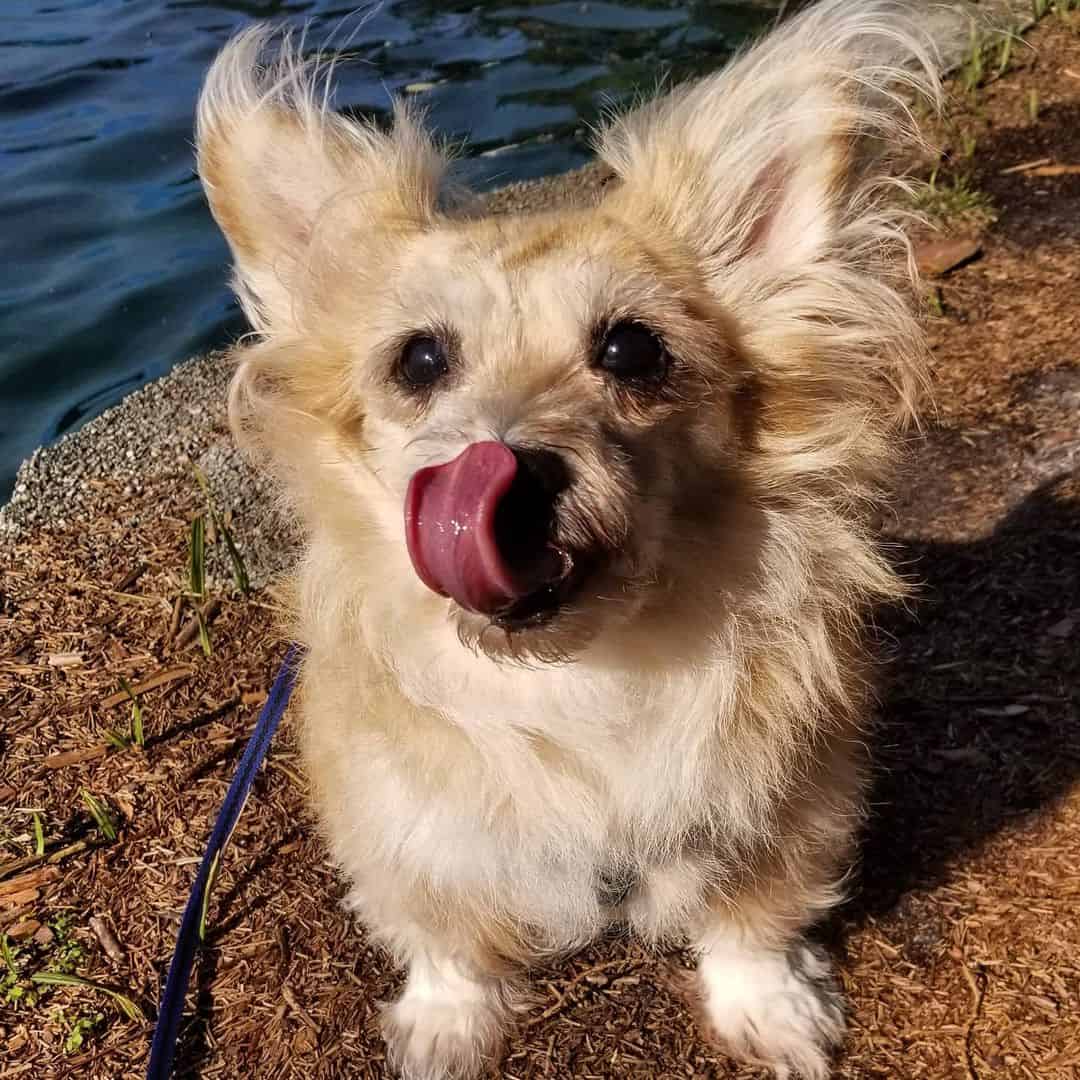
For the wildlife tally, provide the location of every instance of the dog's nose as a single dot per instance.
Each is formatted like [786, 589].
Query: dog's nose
[525, 516]
[479, 528]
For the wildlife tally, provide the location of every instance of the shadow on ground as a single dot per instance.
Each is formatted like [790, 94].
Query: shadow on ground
[980, 730]
[981, 716]
[1033, 219]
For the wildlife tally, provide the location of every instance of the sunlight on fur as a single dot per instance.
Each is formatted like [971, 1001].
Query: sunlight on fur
[586, 499]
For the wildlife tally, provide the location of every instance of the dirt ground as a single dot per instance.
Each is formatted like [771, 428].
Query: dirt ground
[960, 947]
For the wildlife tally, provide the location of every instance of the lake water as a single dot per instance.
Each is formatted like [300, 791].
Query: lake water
[111, 269]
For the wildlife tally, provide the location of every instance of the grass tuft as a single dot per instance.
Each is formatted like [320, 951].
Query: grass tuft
[954, 202]
[61, 958]
[13, 991]
[239, 567]
[80, 1029]
[100, 813]
[62, 978]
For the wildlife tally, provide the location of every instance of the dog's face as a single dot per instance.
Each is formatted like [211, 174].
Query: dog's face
[544, 401]
[557, 417]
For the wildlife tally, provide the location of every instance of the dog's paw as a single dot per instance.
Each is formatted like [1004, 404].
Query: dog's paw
[430, 1037]
[782, 1010]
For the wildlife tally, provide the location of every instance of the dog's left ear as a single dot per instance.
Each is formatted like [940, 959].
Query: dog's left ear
[760, 167]
[281, 170]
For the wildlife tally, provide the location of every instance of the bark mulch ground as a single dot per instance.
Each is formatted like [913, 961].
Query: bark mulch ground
[960, 948]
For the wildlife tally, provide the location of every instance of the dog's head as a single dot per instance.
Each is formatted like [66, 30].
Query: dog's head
[543, 424]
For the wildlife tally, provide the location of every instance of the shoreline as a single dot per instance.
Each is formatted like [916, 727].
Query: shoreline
[137, 444]
[153, 440]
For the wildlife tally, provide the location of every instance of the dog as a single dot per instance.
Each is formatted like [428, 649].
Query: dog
[587, 498]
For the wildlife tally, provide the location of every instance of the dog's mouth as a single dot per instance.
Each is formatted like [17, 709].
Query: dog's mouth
[480, 529]
[542, 605]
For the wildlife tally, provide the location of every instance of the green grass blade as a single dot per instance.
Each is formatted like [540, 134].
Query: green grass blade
[59, 978]
[137, 735]
[100, 813]
[211, 881]
[200, 479]
[239, 567]
[116, 740]
[8, 955]
[1005, 55]
[204, 634]
[39, 835]
[137, 732]
[197, 568]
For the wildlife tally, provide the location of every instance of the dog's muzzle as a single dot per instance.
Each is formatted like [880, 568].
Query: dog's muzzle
[479, 529]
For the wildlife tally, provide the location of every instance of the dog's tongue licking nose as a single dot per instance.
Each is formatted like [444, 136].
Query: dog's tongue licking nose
[450, 530]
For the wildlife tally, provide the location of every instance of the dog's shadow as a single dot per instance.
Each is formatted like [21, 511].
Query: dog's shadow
[981, 712]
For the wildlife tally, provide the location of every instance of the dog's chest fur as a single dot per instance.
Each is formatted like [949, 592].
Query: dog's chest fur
[568, 797]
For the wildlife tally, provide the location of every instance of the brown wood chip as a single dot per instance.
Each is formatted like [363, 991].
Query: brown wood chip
[32, 880]
[297, 1008]
[1054, 170]
[125, 581]
[161, 679]
[108, 940]
[174, 619]
[75, 757]
[23, 929]
[65, 659]
[1024, 166]
[13, 901]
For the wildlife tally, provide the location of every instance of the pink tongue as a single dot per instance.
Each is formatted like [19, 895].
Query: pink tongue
[450, 527]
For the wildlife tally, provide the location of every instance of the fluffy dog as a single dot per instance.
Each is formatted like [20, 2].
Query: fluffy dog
[585, 496]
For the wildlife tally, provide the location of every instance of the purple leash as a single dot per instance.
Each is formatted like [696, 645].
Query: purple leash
[171, 1010]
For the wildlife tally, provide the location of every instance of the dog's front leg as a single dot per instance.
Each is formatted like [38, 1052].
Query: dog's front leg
[769, 998]
[450, 1019]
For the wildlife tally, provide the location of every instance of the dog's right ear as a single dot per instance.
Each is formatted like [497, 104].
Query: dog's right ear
[763, 168]
[278, 166]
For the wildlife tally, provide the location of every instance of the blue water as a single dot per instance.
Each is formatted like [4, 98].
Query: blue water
[111, 269]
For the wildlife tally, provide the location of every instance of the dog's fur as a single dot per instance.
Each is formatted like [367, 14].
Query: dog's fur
[680, 748]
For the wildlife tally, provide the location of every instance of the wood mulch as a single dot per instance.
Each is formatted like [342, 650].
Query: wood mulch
[960, 948]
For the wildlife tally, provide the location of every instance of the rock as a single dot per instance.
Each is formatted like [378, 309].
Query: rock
[937, 257]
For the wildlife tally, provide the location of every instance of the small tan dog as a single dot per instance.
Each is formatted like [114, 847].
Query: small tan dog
[586, 497]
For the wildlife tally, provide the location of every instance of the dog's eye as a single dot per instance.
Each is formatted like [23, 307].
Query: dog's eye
[423, 362]
[633, 353]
